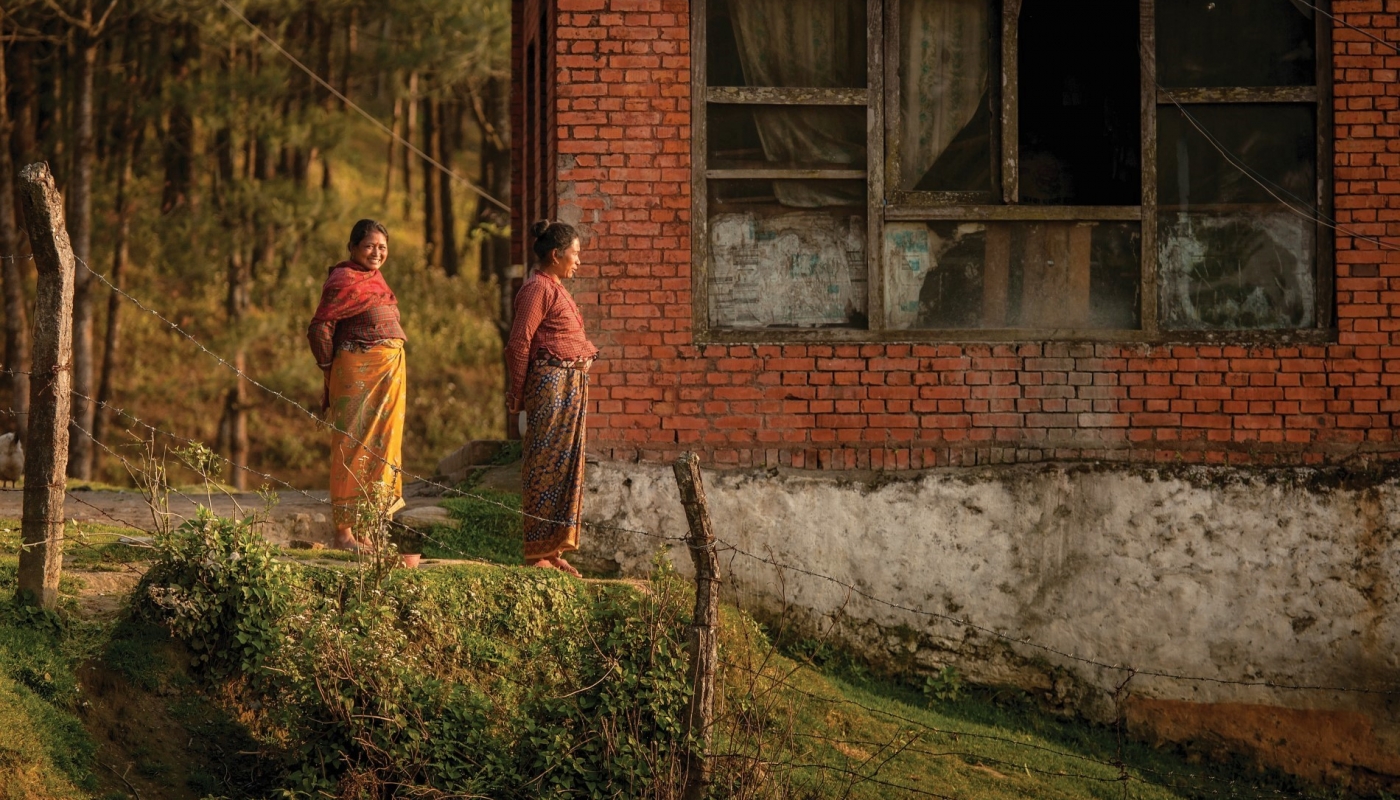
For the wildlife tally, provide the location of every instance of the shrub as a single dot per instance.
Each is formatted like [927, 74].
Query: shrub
[469, 680]
[217, 585]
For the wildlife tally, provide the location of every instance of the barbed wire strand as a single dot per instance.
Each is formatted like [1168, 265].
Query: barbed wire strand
[134, 568]
[325, 423]
[1120, 764]
[351, 104]
[1344, 23]
[324, 501]
[968, 624]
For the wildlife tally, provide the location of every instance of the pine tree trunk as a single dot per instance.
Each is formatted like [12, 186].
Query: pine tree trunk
[54, 88]
[492, 114]
[178, 153]
[432, 220]
[410, 130]
[236, 400]
[236, 407]
[393, 145]
[111, 359]
[386, 27]
[12, 278]
[325, 39]
[445, 137]
[26, 105]
[352, 47]
[80, 231]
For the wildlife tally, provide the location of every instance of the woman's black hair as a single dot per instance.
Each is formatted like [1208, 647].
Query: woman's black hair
[551, 236]
[364, 228]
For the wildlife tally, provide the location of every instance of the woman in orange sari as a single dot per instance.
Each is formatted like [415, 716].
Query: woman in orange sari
[358, 344]
[548, 357]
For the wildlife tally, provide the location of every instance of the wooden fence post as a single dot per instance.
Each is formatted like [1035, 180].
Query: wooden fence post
[704, 631]
[50, 388]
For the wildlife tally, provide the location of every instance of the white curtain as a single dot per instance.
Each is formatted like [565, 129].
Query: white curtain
[943, 68]
[803, 44]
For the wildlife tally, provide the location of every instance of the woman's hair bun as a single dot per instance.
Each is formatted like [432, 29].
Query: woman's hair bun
[537, 230]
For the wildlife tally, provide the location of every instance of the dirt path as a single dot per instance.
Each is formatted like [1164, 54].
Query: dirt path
[303, 516]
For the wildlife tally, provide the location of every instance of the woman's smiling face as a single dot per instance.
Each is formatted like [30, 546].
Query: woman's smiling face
[372, 251]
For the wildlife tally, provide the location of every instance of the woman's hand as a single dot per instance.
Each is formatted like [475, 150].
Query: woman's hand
[325, 391]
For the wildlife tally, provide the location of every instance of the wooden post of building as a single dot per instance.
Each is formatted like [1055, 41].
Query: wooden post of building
[704, 631]
[50, 387]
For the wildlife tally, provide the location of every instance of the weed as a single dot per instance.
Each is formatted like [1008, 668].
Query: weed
[945, 686]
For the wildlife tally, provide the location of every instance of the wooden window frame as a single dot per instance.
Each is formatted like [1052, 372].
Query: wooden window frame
[883, 92]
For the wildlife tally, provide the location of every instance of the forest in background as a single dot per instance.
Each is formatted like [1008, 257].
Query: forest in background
[211, 178]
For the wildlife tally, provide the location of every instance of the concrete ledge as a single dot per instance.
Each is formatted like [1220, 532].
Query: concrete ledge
[1239, 577]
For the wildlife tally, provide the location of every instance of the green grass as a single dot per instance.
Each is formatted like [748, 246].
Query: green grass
[88, 545]
[488, 529]
[1002, 733]
[824, 726]
[44, 750]
[991, 745]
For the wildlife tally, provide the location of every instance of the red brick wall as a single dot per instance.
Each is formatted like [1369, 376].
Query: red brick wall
[623, 173]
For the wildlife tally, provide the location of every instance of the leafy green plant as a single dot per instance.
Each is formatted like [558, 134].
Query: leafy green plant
[217, 585]
[944, 687]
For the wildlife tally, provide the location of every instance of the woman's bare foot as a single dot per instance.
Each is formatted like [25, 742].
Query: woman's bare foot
[345, 540]
[564, 566]
[543, 563]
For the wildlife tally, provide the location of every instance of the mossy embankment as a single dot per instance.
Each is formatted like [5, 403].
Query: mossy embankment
[240, 672]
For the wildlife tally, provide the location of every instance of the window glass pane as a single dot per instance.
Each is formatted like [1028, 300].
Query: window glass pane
[1029, 275]
[1220, 43]
[1272, 154]
[1236, 237]
[1080, 117]
[945, 123]
[812, 43]
[1247, 270]
[769, 137]
[775, 266]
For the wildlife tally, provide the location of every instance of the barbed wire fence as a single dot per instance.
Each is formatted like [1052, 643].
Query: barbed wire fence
[734, 720]
[915, 737]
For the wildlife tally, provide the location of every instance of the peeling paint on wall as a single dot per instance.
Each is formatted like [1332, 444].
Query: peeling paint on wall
[795, 269]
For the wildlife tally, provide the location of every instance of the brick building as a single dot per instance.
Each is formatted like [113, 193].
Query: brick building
[905, 234]
[1183, 171]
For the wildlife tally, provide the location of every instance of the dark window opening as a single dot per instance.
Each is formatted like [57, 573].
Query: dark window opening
[1080, 115]
[790, 137]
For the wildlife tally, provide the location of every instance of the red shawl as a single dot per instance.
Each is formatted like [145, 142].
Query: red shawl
[350, 290]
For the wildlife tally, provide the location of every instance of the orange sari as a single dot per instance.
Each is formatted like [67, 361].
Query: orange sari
[368, 402]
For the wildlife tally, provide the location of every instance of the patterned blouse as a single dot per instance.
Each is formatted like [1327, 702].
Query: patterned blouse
[547, 323]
